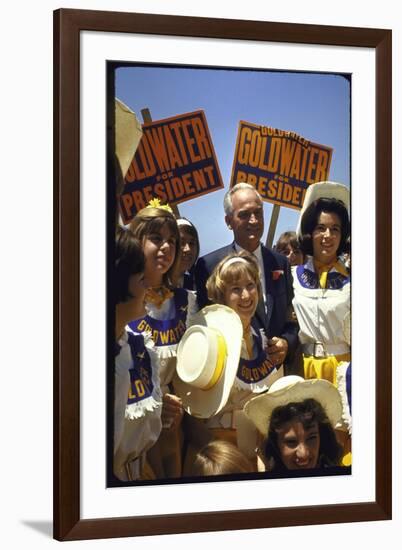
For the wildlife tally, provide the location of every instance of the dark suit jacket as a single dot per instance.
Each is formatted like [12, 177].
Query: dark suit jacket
[279, 292]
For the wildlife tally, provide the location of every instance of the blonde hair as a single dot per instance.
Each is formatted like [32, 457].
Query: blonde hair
[150, 220]
[220, 457]
[229, 271]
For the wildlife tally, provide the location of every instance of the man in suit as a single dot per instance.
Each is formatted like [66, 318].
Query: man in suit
[244, 215]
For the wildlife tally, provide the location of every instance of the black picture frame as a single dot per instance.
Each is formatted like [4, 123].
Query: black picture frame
[68, 24]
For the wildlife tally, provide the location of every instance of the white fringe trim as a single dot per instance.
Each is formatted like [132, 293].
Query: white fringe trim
[166, 352]
[341, 382]
[138, 410]
[154, 401]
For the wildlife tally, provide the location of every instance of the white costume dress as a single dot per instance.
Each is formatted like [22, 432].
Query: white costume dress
[138, 404]
[323, 315]
[166, 325]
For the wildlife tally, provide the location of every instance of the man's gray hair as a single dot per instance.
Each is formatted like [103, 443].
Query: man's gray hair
[227, 200]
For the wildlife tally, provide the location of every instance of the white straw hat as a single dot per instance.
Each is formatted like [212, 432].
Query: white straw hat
[324, 190]
[207, 360]
[128, 133]
[293, 389]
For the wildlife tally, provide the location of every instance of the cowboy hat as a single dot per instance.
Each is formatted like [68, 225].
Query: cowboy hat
[207, 360]
[324, 190]
[128, 133]
[293, 389]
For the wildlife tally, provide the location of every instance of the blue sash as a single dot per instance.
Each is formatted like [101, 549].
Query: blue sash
[254, 371]
[349, 386]
[141, 385]
[309, 279]
[166, 332]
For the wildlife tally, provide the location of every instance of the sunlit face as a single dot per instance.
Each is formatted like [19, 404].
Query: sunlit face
[137, 289]
[188, 245]
[247, 219]
[159, 251]
[295, 256]
[242, 296]
[327, 236]
[299, 447]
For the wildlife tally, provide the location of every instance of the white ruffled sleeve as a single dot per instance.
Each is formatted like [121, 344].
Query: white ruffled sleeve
[123, 362]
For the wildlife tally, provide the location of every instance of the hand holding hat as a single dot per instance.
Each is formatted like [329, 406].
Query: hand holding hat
[207, 360]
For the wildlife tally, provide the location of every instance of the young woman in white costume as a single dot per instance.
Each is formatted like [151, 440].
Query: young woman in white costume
[322, 285]
[168, 310]
[138, 397]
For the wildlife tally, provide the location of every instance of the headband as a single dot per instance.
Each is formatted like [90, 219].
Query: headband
[231, 261]
[182, 221]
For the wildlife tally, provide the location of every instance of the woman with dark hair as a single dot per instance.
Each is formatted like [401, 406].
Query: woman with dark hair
[322, 285]
[297, 418]
[168, 310]
[288, 245]
[138, 398]
[190, 250]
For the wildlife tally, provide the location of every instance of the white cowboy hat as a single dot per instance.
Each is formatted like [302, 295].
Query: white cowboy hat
[324, 190]
[293, 389]
[128, 133]
[207, 360]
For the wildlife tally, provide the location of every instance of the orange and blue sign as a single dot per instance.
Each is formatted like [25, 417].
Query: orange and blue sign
[175, 161]
[279, 164]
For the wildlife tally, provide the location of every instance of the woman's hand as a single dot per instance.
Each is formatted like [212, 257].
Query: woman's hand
[277, 350]
[172, 411]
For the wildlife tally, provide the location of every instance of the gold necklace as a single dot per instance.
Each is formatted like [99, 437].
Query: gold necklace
[158, 295]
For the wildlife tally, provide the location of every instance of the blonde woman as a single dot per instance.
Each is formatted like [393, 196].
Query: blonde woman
[235, 283]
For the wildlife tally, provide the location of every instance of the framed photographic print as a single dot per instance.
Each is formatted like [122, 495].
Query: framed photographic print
[226, 85]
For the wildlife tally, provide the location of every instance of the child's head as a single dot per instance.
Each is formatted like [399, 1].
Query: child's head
[219, 458]
[157, 230]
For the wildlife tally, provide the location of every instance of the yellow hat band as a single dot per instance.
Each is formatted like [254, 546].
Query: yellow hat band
[220, 362]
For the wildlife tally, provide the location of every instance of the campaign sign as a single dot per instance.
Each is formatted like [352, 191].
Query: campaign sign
[278, 163]
[175, 161]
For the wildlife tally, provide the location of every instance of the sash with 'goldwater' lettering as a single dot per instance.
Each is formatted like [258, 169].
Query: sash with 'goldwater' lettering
[166, 332]
[309, 279]
[141, 385]
[144, 392]
[253, 374]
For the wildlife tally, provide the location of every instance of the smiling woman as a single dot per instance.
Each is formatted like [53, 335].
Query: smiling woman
[168, 310]
[297, 419]
[322, 284]
[235, 282]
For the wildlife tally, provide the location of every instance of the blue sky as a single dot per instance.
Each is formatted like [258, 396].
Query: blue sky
[314, 105]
